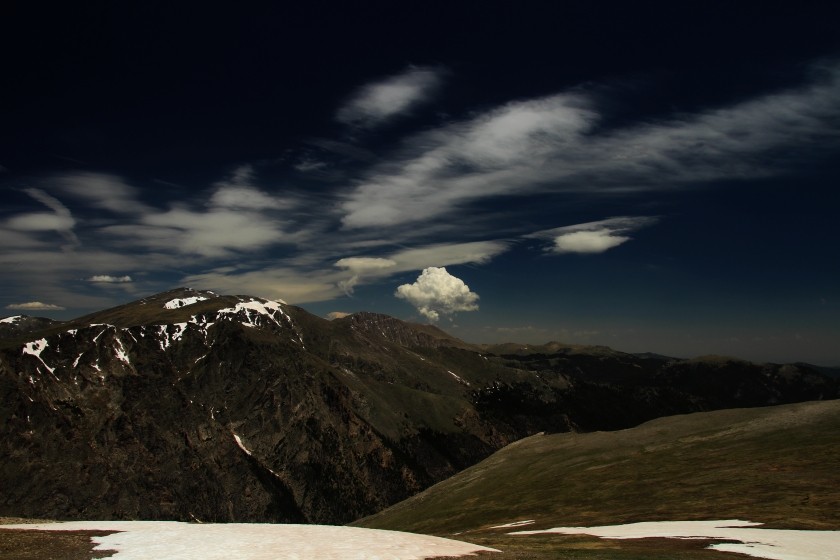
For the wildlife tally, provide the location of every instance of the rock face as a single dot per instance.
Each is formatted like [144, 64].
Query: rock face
[192, 406]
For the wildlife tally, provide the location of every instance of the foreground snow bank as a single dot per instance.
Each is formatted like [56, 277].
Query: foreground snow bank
[170, 540]
[775, 544]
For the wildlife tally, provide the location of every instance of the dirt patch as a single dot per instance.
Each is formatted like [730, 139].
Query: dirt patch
[21, 544]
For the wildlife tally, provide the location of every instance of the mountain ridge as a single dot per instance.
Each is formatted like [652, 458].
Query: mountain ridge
[191, 405]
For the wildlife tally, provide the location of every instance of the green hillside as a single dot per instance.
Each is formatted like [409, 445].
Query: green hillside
[777, 465]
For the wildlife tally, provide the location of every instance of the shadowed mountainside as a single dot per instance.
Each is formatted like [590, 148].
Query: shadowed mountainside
[190, 405]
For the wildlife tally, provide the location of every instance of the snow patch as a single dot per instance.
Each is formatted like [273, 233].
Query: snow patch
[119, 350]
[35, 347]
[177, 303]
[254, 310]
[774, 544]
[142, 540]
[12, 319]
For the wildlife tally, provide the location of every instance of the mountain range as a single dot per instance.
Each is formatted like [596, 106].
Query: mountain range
[189, 405]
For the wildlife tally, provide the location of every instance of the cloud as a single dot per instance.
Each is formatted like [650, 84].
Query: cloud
[238, 192]
[562, 143]
[337, 315]
[102, 190]
[105, 278]
[593, 237]
[436, 293]
[359, 266]
[379, 102]
[35, 306]
[363, 264]
[60, 220]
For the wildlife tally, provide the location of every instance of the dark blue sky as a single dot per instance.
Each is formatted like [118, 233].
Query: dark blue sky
[651, 176]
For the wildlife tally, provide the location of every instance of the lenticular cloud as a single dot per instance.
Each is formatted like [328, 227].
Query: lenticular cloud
[436, 293]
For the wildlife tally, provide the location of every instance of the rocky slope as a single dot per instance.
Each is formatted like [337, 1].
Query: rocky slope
[190, 405]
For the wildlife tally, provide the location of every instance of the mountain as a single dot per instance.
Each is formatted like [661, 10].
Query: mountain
[189, 405]
[772, 465]
[19, 325]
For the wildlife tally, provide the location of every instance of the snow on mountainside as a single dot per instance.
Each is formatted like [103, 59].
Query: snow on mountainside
[237, 408]
[22, 324]
[179, 302]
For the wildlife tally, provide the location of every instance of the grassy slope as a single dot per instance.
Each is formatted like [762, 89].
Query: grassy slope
[777, 465]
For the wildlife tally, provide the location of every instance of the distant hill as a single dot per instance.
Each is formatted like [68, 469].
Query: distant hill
[776, 465]
[190, 405]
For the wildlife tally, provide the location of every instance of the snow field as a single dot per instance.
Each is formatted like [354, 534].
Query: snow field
[774, 544]
[171, 540]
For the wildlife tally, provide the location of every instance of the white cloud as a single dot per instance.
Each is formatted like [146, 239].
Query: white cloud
[238, 192]
[34, 306]
[436, 293]
[444, 254]
[107, 279]
[593, 237]
[41, 221]
[365, 264]
[60, 220]
[212, 233]
[595, 241]
[102, 190]
[360, 266]
[337, 315]
[376, 103]
[552, 145]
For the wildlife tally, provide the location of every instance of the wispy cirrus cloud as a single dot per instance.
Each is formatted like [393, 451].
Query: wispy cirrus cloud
[422, 205]
[101, 190]
[307, 280]
[562, 144]
[381, 101]
[60, 220]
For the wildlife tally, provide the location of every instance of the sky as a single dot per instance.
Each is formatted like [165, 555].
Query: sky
[651, 176]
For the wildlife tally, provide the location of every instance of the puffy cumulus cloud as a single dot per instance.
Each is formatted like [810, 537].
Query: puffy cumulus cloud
[436, 293]
[337, 315]
[34, 306]
[378, 102]
[107, 279]
[593, 237]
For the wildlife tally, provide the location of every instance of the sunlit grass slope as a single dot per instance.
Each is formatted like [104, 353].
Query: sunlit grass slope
[777, 465]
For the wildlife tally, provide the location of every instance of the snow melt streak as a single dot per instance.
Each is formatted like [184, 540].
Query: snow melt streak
[144, 540]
